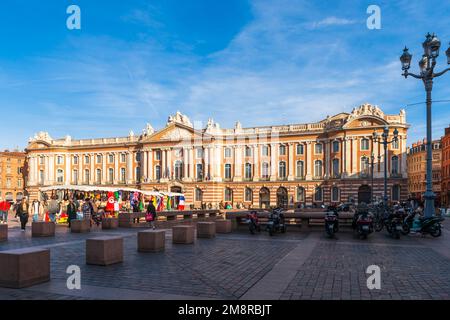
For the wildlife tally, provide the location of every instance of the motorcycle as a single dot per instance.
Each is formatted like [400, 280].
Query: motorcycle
[331, 221]
[276, 222]
[423, 225]
[363, 222]
[253, 222]
[394, 223]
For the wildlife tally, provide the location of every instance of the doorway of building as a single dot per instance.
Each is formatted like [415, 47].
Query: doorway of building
[364, 194]
[264, 198]
[282, 197]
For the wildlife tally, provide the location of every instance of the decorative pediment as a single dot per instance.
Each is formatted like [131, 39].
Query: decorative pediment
[177, 134]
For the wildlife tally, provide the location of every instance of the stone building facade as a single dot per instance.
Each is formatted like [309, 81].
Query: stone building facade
[308, 163]
[12, 175]
[445, 169]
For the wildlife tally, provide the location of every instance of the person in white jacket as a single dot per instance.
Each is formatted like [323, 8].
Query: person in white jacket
[37, 210]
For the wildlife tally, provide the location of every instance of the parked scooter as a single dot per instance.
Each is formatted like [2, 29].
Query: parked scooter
[276, 222]
[331, 221]
[394, 222]
[363, 221]
[423, 225]
[253, 222]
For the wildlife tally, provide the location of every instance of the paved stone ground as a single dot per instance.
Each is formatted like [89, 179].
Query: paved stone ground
[295, 265]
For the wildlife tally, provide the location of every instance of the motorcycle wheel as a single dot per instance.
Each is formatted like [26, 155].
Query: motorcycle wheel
[435, 231]
[406, 229]
[378, 226]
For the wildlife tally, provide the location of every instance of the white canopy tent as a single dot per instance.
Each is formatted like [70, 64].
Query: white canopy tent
[105, 189]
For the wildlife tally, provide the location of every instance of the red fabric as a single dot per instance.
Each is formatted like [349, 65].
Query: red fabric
[5, 206]
[110, 204]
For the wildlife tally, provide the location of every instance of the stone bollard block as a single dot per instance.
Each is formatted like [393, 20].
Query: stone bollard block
[80, 226]
[110, 223]
[223, 226]
[151, 240]
[206, 229]
[3, 232]
[22, 268]
[104, 250]
[183, 234]
[43, 229]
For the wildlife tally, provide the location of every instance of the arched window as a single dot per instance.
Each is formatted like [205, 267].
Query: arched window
[335, 194]
[227, 171]
[394, 165]
[178, 170]
[364, 144]
[158, 172]
[248, 197]
[228, 195]
[111, 175]
[60, 175]
[98, 176]
[364, 165]
[86, 176]
[318, 169]
[248, 171]
[300, 169]
[318, 196]
[265, 170]
[282, 169]
[336, 169]
[198, 194]
[123, 176]
[300, 194]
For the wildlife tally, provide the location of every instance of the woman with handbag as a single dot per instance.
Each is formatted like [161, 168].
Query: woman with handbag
[23, 213]
[150, 216]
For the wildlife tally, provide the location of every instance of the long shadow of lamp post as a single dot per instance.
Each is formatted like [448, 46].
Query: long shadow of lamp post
[431, 47]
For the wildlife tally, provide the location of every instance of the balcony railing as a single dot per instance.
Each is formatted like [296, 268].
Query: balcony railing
[300, 178]
[267, 178]
[282, 178]
[248, 179]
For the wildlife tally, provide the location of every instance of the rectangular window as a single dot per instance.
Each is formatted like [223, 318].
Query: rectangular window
[199, 153]
[227, 152]
[99, 158]
[282, 150]
[300, 149]
[59, 160]
[75, 160]
[318, 148]
[138, 156]
[111, 158]
[248, 151]
[265, 151]
[86, 159]
[335, 146]
[123, 157]
[158, 155]
[199, 171]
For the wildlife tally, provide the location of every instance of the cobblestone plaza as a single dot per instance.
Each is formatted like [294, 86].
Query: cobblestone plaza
[298, 265]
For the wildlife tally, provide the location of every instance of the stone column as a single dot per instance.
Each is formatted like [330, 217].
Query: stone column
[354, 156]
[217, 163]
[67, 161]
[150, 165]
[238, 163]
[403, 156]
[169, 163]
[92, 170]
[256, 163]
[52, 169]
[273, 161]
[104, 170]
[130, 173]
[309, 161]
[80, 169]
[327, 150]
[163, 164]
[116, 167]
[31, 170]
[291, 162]
[191, 163]
[144, 167]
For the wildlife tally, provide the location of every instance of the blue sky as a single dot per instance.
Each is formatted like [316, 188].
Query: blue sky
[260, 62]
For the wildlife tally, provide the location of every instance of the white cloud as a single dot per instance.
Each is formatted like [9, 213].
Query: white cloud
[331, 21]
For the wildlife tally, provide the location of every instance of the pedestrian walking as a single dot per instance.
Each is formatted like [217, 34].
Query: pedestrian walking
[37, 209]
[4, 208]
[87, 210]
[150, 216]
[71, 211]
[53, 208]
[23, 213]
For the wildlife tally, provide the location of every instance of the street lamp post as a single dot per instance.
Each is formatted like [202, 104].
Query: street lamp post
[385, 141]
[431, 47]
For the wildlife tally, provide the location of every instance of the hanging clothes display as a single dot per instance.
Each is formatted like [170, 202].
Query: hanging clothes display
[110, 203]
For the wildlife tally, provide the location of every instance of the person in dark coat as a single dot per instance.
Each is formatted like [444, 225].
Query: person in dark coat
[151, 210]
[71, 211]
[23, 213]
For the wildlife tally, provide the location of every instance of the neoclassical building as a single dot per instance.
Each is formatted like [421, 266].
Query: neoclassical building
[322, 162]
